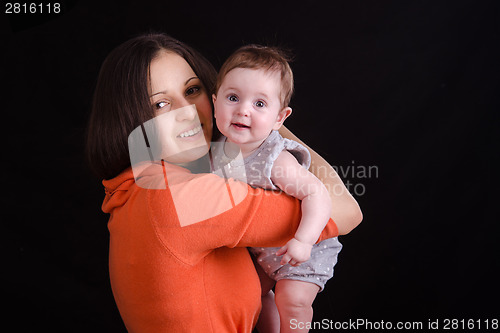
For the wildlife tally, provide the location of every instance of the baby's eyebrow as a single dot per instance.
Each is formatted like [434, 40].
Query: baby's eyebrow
[264, 95]
[230, 90]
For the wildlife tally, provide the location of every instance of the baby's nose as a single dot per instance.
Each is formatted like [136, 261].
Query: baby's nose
[244, 110]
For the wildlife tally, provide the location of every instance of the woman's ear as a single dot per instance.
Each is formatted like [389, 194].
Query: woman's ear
[214, 98]
[282, 115]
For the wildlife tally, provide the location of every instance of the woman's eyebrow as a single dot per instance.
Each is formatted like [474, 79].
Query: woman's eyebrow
[164, 92]
[160, 92]
[191, 78]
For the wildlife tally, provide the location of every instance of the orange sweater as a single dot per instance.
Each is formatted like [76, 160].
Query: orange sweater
[171, 276]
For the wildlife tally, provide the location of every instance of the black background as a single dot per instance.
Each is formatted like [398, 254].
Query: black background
[407, 87]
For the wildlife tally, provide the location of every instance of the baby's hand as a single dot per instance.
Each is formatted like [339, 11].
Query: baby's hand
[294, 252]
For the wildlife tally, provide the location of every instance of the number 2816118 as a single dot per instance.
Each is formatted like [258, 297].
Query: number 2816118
[32, 8]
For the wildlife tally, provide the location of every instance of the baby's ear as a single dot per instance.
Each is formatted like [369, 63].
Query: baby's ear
[214, 98]
[282, 115]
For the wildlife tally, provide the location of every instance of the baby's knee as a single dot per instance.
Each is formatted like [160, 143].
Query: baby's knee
[290, 300]
[295, 295]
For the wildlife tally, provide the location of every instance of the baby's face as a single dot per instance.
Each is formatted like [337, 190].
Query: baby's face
[248, 105]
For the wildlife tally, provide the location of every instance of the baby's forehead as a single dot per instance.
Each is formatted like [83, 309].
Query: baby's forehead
[266, 80]
[266, 71]
[271, 76]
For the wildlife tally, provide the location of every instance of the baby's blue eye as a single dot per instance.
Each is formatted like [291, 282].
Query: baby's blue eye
[233, 98]
[260, 104]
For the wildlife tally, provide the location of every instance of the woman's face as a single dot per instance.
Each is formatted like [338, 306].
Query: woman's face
[182, 108]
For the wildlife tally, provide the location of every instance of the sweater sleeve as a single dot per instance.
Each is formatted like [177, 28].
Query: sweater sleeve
[270, 219]
[199, 214]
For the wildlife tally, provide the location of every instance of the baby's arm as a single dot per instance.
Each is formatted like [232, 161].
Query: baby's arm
[345, 210]
[296, 181]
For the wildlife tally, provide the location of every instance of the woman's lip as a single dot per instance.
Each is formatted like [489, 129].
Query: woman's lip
[198, 128]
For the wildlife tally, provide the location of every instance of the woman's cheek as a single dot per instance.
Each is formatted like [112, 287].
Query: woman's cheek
[204, 108]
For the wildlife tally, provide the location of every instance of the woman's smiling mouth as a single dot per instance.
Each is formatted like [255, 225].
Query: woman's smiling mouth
[191, 132]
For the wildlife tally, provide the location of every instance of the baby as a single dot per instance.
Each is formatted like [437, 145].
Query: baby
[253, 90]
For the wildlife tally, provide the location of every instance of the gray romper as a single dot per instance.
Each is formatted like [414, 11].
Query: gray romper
[255, 170]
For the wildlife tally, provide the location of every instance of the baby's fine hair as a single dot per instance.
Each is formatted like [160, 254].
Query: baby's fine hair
[268, 58]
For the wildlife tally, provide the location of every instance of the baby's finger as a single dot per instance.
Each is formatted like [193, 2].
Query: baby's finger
[286, 259]
[281, 251]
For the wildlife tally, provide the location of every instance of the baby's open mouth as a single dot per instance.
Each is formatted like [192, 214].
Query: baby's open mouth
[239, 125]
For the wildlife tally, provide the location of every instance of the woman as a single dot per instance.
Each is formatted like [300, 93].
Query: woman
[176, 263]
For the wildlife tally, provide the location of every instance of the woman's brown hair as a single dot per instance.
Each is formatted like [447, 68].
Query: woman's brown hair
[121, 100]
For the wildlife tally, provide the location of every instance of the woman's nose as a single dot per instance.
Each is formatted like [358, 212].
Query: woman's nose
[180, 102]
[186, 112]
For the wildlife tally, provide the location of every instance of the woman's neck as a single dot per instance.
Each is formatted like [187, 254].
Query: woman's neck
[201, 165]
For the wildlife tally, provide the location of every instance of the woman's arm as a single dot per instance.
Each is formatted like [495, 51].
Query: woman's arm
[345, 210]
[260, 218]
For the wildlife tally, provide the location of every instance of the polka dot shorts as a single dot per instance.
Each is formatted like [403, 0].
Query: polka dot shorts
[318, 269]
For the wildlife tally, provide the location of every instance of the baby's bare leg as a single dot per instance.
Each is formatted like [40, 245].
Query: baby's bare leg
[294, 300]
[269, 321]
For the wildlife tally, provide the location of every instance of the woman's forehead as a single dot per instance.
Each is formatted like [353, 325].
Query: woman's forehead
[168, 70]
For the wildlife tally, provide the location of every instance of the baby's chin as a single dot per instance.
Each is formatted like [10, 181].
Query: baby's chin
[233, 139]
[237, 140]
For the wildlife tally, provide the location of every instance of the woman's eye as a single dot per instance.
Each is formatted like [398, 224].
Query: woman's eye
[233, 98]
[192, 90]
[161, 105]
[260, 104]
